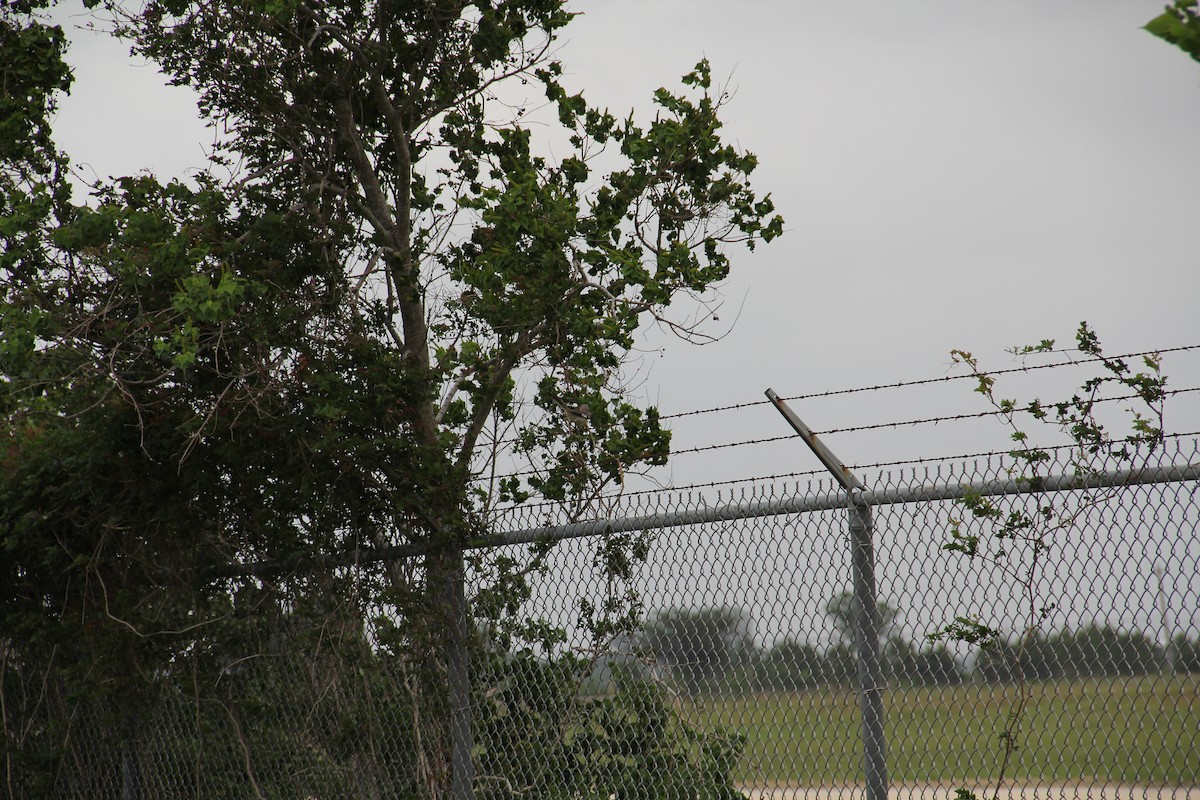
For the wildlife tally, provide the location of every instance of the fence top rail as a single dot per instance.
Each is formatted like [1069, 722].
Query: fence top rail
[826, 501]
[699, 511]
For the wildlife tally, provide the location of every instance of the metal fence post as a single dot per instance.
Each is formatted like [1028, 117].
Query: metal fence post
[131, 772]
[862, 555]
[462, 723]
[870, 679]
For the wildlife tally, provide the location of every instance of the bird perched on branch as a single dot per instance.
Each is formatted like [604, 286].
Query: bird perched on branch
[577, 415]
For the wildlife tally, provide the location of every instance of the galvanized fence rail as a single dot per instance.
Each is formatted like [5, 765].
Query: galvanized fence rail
[706, 645]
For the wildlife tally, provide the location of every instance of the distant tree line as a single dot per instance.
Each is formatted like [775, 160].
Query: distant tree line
[1094, 651]
[713, 651]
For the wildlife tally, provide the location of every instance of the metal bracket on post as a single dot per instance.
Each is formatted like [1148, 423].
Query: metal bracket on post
[841, 472]
[862, 551]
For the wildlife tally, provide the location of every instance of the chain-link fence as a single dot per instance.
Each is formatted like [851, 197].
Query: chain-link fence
[750, 622]
[703, 645]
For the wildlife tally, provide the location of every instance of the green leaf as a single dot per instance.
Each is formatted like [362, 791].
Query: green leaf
[1179, 26]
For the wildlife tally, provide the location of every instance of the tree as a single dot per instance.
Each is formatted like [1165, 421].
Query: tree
[1031, 658]
[839, 665]
[842, 610]
[931, 665]
[790, 666]
[1102, 651]
[1093, 651]
[1185, 654]
[331, 354]
[702, 648]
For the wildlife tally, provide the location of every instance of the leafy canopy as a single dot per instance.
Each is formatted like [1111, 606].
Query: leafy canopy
[382, 288]
[382, 294]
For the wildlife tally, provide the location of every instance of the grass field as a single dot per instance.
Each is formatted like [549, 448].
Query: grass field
[1128, 730]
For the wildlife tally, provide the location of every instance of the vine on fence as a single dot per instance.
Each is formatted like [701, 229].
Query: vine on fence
[1015, 535]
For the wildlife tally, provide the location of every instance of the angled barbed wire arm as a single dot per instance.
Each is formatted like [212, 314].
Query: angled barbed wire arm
[866, 628]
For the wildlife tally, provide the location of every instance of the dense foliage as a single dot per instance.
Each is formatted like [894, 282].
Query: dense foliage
[226, 400]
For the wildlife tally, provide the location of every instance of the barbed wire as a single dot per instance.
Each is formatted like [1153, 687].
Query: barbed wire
[608, 498]
[988, 454]
[882, 425]
[726, 445]
[879, 387]
[710, 484]
[979, 414]
[906, 462]
[926, 381]
[876, 426]
[906, 423]
[876, 465]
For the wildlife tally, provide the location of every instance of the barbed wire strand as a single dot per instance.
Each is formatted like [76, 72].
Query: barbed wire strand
[875, 426]
[989, 454]
[926, 381]
[907, 423]
[901, 385]
[812, 472]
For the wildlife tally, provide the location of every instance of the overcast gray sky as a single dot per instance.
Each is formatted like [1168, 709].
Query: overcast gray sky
[953, 174]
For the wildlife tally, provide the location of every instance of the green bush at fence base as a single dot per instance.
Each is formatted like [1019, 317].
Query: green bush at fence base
[341, 724]
[538, 735]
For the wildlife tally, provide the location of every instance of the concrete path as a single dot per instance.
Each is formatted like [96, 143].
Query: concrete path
[1093, 791]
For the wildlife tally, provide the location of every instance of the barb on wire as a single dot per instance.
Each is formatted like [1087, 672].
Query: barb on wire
[895, 424]
[875, 426]
[922, 382]
[882, 386]
[988, 454]
[905, 462]
[978, 414]
[686, 487]
[725, 445]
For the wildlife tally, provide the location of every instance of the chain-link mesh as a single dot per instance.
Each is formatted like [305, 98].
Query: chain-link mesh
[709, 659]
[748, 625]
